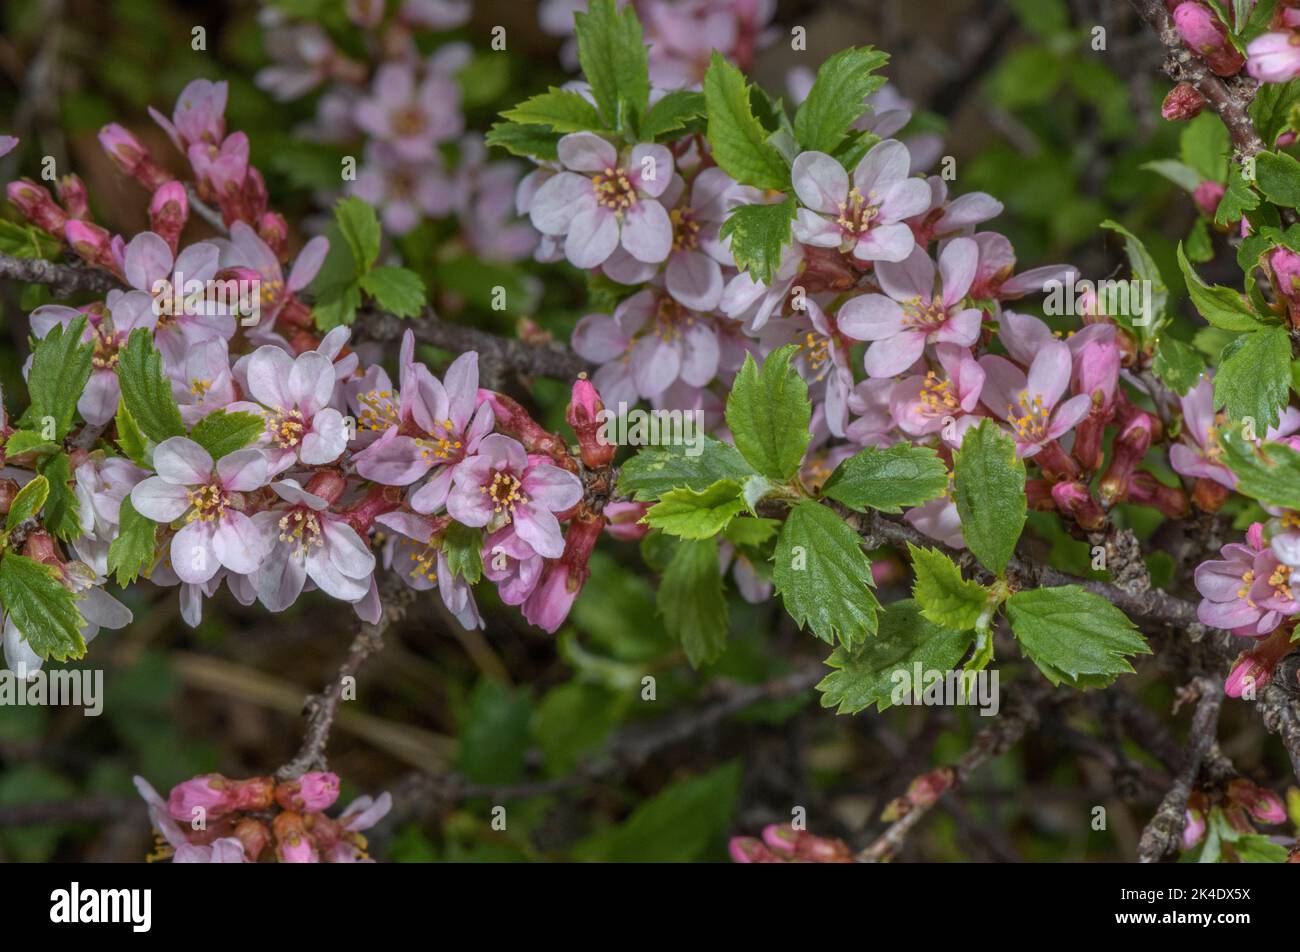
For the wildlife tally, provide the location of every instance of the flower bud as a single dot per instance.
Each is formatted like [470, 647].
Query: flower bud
[313, 792]
[168, 211]
[37, 206]
[1264, 805]
[1207, 197]
[1209, 495]
[1196, 820]
[254, 835]
[131, 157]
[550, 602]
[1202, 32]
[254, 794]
[1145, 490]
[274, 230]
[208, 795]
[1184, 101]
[623, 521]
[1075, 501]
[292, 844]
[586, 417]
[93, 244]
[514, 421]
[72, 195]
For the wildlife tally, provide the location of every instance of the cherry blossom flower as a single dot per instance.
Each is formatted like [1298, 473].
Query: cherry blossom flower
[226, 849]
[209, 496]
[204, 382]
[301, 426]
[913, 311]
[753, 302]
[1032, 404]
[922, 403]
[199, 116]
[1248, 591]
[501, 485]
[602, 201]
[420, 560]
[995, 274]
[822, 359]
[101, 485]
[246, 250]
[512, 564]
[402, 190]
[867, 218]
[411, 114]
[1274, 57]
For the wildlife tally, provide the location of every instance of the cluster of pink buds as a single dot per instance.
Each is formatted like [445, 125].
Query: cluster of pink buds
[785, 844]
[1239, 806]
[212, 819]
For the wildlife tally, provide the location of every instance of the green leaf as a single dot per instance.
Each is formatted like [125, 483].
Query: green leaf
[1237, 200]
[1203, 145]
[656, 470]
[614, 60]
[44, 611]
[28, 502]
[757, 234]
[1270, 110]
[62, 508]
[944, 596]
[906, 638]
[768, 412]
[1278, 177]
[223, 432]
[528, 142]
[28, 441]
[823, 576]
[1223, 307]
[132, 551]
[1254, 376]
[1255, 847]
[697, 515]
[989, 489]
[399, 291]
[672, 115]
[146, 391]
[564, 110]
[1269, 472]
[739, 141]
[59, 371]
[1179, 366]
[1074, 636]
[1144, 268]
[888, 479]
[360, 227]
[573, 719]
[494, 733]
[27, 241]
[691, 601]
[464, 548]
[676, 825]
[129, 438]
[836, 99]
[750, 533]
[337, 308]
[1182, 175]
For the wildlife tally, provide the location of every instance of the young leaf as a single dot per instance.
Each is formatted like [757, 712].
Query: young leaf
[28, 502]
[62, 508]
[614, 60]
[146, 391]
[702, 515]
[1270, 109]
[1254, 376]
[360, 227]
[399, 291]
[989, 490]
[58, 375]
[224, 432]
[129, 438]
[464, 548]
[1237, 200]
[691, 601]
[1222, 307]
[836, 99]
[944, 596]
[564, 110]
[768, 412]
[758, 234]
[1278, 176]
[133, 549]
[739, 141]
[1074, 636]
[1179, 366]
[28, 441]
[888, 479]
[43, 610]
[656, 470]
[528, 142]
[906, 638]
[672, 114]
[823, 576]
[1269, 472]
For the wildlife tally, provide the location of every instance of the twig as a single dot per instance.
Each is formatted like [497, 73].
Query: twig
[396, 598]
[1164, 831]
[63, 280]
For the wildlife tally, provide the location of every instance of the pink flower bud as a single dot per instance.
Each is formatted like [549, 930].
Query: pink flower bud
[37, 206]
[624, 521]
[292, 843]
[1285, 265]
[514, 421]
[747, 849]
[313, 792]
[273, 229]
[131, 157]
[1145, 490]
[1207, 197]
[205, 796]
[168, 211]
[254, 836]
[1264, 805]
[1202, 32]
[1275, 57]
[91, 243]
[256, 793]
[1074, 500]
[929, 787]
[585, 415]
[1184, 101]
[1130, 446]
[1195, 825]
[72, 194]
[550, 602]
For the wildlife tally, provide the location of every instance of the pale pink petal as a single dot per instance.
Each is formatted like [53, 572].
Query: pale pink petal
[181, 461]
[871, 317]
[820, 182]
[647, 232]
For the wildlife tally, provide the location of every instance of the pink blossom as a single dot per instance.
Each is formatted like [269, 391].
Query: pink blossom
[314, 791]
[199, 116]
[420, 560]
[1198, 453]
[1030, 403]
[411, 114]
[1247, 592]
[1202, 31]
[101, 485]
[501, 485]
[822, 359]
[485, 207]
[995, 278]
[8, 144]
[752, 586]
[870, 402]
[512, 564]
[209, 495]
[753, 302]
[921, 404]
[204, 382]
[226, 849]
[939, 520]
[867, 218]
[913, 311]
[301, 426]
[602, 201]
[1274, 57]
[403, 191]
[246, 250]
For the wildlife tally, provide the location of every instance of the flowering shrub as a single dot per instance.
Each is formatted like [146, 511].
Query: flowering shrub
[861, 409]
